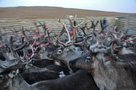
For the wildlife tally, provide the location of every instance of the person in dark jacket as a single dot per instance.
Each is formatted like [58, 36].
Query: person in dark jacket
[104, 22]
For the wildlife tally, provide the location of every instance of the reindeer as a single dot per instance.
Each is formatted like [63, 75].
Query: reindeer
[44, 46]
[110, 71]
[80, 79]
[109, 75]
[12, 80]
[67, 50]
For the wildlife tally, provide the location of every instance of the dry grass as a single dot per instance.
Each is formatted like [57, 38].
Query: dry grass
[52, 12]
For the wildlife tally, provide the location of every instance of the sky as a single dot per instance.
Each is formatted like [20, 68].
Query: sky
[124, 6]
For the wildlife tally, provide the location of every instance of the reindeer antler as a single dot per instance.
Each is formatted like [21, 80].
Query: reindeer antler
[14, 51]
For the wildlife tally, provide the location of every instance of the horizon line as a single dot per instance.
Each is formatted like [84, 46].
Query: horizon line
[70, 8]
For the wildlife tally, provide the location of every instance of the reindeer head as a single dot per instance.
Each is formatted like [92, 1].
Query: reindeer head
[67, 50]
[10, 71]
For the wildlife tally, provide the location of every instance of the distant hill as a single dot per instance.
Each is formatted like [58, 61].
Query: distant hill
[52, 12]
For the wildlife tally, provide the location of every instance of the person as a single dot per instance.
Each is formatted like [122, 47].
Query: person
[116, 25]
[104, 22]
[71, 27]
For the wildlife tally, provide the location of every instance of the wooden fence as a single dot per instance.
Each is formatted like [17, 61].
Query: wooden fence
[126, 22]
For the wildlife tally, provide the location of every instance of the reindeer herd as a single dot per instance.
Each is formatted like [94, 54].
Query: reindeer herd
[89, 59]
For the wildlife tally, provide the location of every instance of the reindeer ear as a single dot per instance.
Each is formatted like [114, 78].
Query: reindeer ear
[27, 66]
[67, 49]
[100, 56]
[13, 73]
[2, 77]
[1, 70]
[42, 50]
[72, 47]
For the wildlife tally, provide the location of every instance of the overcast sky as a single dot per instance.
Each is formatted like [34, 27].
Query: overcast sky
[128, 6]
